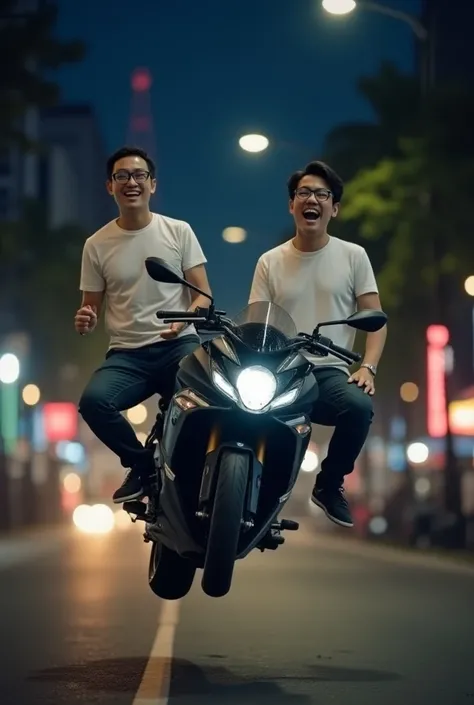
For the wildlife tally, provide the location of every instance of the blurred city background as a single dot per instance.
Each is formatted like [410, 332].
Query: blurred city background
[230, 98]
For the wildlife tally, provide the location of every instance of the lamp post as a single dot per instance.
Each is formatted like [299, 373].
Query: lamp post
[423, 33]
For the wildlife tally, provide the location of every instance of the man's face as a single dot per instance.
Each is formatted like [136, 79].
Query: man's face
[131, 184]
[313, 206]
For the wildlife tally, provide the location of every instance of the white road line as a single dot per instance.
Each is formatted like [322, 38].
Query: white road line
[155, 685]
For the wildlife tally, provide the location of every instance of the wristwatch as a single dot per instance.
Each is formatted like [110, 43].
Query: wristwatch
[371, 368]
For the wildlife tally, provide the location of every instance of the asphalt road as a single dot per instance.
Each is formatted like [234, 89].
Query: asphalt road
[321, 621]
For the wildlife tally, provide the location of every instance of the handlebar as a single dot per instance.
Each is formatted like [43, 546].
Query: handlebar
[212, 320]
[178, 314]
[353, 356]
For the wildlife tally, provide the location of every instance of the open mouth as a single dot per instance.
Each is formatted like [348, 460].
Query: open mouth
[132, 193]
[311, 214]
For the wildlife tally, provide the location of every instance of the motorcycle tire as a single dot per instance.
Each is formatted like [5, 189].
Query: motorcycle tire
[226, 523]
[170, 576]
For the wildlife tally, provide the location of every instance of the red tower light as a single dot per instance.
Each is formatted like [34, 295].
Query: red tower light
[140, 130]
[141, 80]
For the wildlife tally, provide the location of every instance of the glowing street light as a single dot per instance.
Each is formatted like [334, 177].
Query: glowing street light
[9, 368]
[234, 235]
[344, 7]
[254, 143]
[339, 7]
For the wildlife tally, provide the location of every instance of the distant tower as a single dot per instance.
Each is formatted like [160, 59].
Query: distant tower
[141, 132]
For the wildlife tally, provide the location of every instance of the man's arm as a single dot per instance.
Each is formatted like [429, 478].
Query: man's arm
[375, 342]
[92, 286]
[197, 276]
[260, 290]
[95, 299]
[194, 271]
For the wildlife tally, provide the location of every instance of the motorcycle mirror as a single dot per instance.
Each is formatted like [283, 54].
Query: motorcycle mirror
[369, 320]
[160, 271]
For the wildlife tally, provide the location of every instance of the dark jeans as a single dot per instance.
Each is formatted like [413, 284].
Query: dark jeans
[125, 379]
[350, 410]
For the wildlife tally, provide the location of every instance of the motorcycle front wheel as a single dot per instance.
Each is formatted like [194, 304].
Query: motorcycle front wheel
[226, 523]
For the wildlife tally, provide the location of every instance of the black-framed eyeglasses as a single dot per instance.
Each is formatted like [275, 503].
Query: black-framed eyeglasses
[123, 175]
[320, 194]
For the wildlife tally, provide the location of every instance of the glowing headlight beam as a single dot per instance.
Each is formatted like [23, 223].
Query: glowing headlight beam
[256, 387]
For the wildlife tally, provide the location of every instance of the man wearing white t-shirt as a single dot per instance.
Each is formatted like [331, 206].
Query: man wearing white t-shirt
[316, 277]
[144, 353]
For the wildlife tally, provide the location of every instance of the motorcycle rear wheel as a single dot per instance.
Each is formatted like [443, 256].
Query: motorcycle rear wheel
[226, 523]
[170, 576]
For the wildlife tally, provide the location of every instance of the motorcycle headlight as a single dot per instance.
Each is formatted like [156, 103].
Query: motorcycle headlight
[256, 387]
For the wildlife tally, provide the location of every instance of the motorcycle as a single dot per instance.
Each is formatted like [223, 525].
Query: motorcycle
[229, 445]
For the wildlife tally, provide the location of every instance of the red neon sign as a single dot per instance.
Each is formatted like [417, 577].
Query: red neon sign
[437, 421]
[60, 421]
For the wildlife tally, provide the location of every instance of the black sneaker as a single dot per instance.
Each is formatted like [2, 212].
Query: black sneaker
[334, 504]
[131, 488]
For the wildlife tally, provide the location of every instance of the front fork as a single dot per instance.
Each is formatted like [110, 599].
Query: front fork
[209, 477]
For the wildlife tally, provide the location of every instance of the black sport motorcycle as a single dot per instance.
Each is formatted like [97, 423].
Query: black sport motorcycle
[229, 445]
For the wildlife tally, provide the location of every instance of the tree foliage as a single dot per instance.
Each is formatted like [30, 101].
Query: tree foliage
[29, 51]
[394, 100]
[407, 200]
[418, 203]
[39, 278]
[38, 264]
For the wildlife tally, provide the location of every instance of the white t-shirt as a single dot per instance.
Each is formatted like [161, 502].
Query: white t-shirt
[113, 260]
[316, 286]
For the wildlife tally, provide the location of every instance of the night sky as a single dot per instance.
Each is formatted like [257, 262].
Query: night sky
[220, 69]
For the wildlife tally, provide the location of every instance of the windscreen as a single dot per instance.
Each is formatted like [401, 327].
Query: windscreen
[264, 327]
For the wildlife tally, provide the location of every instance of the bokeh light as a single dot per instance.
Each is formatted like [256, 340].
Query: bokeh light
[137, 414]
[95, 519]
[9, 368]
[418, 453]
[409, 392]
[72, 483]
[31, 394]
[469, 285]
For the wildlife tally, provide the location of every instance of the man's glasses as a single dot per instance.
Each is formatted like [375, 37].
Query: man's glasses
[123, 175]
[320, 194]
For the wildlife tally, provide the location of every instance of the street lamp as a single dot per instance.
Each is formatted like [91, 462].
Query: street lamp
[234, 235]
[254, 143]
[422, 33]
[339, 7]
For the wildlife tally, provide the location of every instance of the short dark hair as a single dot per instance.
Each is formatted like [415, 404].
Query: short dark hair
[129, 152]
[322, 170]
